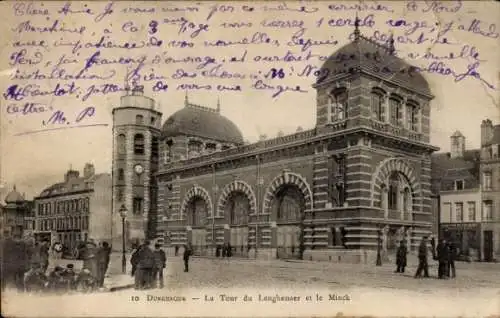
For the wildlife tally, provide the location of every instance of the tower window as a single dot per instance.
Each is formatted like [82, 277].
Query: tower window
[154, 148]
[396, 111]
[137, 206]
[120, 195]
[139, 120]
[139, 144]
[121, 144]
[153, 120]
[121, 175]
[412, 116]
[338, 105]
[378, 106]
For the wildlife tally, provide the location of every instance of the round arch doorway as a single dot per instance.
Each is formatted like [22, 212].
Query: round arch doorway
[287, 209]
[197, 210]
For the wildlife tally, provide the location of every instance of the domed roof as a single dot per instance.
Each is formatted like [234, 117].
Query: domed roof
[364, 54]
[199, 121]
[14, 197]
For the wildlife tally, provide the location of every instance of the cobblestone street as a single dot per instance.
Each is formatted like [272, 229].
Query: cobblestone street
[372, 290]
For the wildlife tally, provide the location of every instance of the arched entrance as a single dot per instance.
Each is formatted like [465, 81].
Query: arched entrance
[287, 209]
[197, 212]
[237, 210]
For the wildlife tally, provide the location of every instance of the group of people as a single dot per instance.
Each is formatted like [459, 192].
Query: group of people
[445, 254]
[148, 266]
[25, 264]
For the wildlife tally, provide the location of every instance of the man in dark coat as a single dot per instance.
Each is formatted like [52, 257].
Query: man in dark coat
[422, 259]
[187, 254]
[143, 261]
[90, 259]
[160, 264]
[44, 255]
[452, 254]
[103, 262]
[442, 256]
[401, 257]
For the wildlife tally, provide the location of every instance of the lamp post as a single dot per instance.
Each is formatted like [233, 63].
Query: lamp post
[123, 213]
[379, 246]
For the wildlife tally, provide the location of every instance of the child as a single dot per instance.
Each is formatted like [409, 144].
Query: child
[69, 276]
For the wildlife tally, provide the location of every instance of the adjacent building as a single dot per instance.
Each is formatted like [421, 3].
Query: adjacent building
[76, 209]
[16, 216]
[361, 177]
[467, 184]
[490, 195]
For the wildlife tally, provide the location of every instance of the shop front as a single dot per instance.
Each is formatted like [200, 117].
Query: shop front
[467, 238]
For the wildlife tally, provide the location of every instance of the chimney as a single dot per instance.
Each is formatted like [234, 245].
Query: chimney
[486, 131]
[262, 137]
[70, 175]
[457, 145]
[88, 170]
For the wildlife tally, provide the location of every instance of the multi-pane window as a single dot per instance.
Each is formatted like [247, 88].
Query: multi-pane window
[488, 209]
[396, 111]
[139, 144]
[412, 116]
[139, 119]
[378, 106]
[472, 210]
[459, 211]
[338, 106]
[487, 181]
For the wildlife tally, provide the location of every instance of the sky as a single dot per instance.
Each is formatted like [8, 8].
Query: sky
[35, 161]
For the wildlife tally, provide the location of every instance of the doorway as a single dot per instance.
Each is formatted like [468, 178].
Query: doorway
[488, 246]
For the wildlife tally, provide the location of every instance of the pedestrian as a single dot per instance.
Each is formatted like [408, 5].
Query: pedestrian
[160, 264]
[103, 262]
[187, 254]
[70, 276]
[176, 250]
[422, 259]
[401, 257]
[44, 255]
[452, 254]
[143, 261]
[229, 250]
[442, 256]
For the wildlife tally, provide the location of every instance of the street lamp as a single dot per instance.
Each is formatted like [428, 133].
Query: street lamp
[123, 213]
[379, 246]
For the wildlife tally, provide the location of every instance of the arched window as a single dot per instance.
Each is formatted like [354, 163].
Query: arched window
[194, 148]
[139, 120]
[378, 105]
[412, 110]
[338, 106]
[393, 191]
[121, 174]
[197, 211]
[396, 110]
[139, 144]
[121, 144]
[239, 208]
[288, 204]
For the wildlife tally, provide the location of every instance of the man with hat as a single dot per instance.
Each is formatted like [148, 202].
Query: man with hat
[160, 264]
[422, 259]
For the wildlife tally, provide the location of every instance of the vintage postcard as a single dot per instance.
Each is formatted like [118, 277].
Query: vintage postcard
[230, 159]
